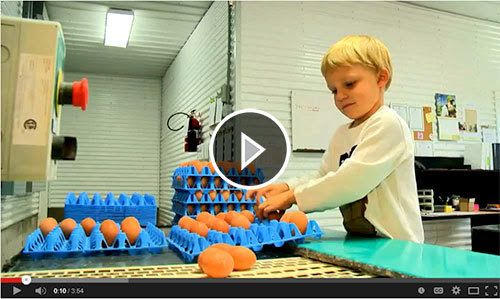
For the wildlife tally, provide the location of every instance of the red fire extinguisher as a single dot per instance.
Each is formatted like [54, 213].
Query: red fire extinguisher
[193, 137]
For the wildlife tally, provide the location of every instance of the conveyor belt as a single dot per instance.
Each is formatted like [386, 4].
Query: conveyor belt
[295, 267]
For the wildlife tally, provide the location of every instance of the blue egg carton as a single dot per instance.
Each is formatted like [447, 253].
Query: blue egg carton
[261, 233]
[179, 178]
[185, 203]
[151, 239]
[143, 208]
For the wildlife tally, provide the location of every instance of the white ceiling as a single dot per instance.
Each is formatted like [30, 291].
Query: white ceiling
[159, 31]
[162, 27]
[484, 10]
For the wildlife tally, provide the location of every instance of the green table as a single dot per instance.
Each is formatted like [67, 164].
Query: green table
[398, 258]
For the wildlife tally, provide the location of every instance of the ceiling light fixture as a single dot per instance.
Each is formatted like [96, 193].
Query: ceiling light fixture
[118, 27]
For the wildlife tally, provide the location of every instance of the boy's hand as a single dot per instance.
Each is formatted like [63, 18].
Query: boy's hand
[279, 202]
[267, 191]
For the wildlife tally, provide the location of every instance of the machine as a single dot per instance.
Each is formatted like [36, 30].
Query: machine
[33, 92]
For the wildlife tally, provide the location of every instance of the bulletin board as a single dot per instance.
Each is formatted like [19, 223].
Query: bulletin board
[426, 134]
[314, 119]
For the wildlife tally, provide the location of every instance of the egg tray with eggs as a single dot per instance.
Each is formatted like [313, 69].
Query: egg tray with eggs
[188, 178]
[151, 239]
[190, 203]
[141, 207]
[265, 232]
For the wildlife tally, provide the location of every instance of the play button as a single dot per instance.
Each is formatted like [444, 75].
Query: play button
[249, 149]
[15, 291]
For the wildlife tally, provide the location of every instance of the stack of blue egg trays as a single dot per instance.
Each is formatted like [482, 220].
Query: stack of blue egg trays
[179, 178]
[183, 199]
[184, 194]
[141, 207]
[261, 233]
[151, 239]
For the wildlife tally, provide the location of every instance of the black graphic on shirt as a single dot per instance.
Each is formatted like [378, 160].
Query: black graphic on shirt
[346, 156]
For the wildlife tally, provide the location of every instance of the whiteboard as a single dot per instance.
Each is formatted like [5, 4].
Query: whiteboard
[314, 120]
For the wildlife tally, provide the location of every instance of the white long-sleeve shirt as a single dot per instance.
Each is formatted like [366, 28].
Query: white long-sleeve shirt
[377, 162]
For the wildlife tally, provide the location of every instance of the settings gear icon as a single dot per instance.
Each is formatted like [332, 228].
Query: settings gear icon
[455, 290]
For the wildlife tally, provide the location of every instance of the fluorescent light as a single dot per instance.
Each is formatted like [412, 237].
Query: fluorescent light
[118, 27]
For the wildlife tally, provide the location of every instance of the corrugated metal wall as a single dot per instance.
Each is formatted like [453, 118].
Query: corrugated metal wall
[12, 8]
[118, 139]
[282, 43]
[17, 208]
[198, 71]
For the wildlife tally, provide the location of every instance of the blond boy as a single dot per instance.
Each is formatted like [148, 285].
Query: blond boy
[368, 169]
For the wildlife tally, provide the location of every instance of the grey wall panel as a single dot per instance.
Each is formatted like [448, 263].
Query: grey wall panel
[18, 207]
[118, 139]
[197, 72]
[281, 45]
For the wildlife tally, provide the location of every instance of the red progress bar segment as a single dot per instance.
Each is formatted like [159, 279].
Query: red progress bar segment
[11, 280]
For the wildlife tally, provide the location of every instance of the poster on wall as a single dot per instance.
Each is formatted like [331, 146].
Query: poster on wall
[469, 125]
[446, 105]
[446, 112]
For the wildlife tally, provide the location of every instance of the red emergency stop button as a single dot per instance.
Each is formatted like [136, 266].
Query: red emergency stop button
[81, 93]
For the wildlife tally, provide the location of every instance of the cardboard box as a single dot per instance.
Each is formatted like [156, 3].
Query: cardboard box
[466, 204]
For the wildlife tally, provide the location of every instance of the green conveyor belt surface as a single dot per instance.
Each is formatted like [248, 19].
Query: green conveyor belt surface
[419, 260]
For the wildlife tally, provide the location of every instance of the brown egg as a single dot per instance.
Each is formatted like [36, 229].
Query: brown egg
[131, 227]
[220, 225]
[47, 225]
[221, 216]
[212, 169]
[198, 165]
[198, 194]
[204, 182]
[286, 216]
[212, 194]
[243, 257]
[190, 181]
[243, 206]
[223, 246]
[109, 230]
[183, 164]
[217, 208]
[237, 166]
[210, 223]
[190, 209]
[204, 217]
[185, 222]
[274, 216]
[225, 194]
[230, 215]
[178, 178]
[244, 181]
[88, 225]
[230, 207]
[300, 220]
[199, 228]
[216, 263]
[240, 221]
[249, 215]
[204, 207]
[226, 166]
[256, 181]
[67, 226]
[239, 194]
[251, 167]
[217, 182]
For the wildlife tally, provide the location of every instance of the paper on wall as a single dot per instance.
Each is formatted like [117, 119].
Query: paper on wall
[448, 128]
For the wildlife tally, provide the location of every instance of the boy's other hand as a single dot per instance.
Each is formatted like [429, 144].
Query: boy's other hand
[279, 202]
[267, 191]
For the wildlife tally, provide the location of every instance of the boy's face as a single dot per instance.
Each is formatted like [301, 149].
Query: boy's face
[356, 89]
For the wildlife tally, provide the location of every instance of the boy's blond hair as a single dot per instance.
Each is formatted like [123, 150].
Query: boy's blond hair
[358, 49]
